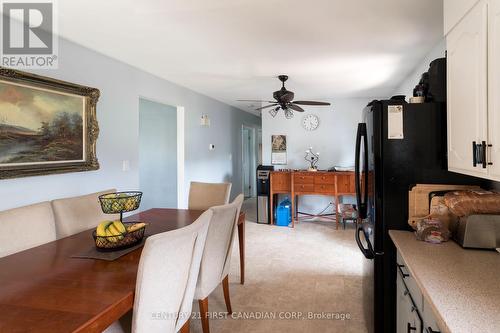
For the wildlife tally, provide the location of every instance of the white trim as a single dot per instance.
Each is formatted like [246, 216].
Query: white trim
[252, 162]
[181, 188]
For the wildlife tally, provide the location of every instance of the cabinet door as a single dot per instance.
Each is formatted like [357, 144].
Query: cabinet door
[467, 89]
[494, 88]
[454, 11]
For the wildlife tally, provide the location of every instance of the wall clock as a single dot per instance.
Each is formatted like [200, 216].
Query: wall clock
[310, 122]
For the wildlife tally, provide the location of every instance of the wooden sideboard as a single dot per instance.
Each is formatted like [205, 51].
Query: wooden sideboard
[296, 183]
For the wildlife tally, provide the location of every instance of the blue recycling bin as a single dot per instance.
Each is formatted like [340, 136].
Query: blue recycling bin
[284, 213]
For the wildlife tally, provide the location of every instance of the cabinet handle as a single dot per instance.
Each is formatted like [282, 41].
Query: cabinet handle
[410, 328]
[483, 154]
[474, 153]
[430, 330]
[403, 274]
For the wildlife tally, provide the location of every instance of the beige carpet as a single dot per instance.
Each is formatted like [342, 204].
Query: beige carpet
[311, 269]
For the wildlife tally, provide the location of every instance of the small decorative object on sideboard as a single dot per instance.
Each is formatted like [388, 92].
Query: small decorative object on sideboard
[117, 235]
[312, 158]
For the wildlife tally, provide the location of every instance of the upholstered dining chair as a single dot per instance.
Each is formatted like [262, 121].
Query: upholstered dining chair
[216, 258]
[26, 227]
[76, 214]
[166, 280]
[202, 196]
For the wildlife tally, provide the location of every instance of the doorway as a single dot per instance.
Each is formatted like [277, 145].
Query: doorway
[248, 160]
[157, 154]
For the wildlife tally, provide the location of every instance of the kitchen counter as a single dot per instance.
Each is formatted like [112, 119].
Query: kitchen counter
[462, 286]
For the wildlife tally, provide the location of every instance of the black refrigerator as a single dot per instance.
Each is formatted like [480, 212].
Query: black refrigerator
[398, 145]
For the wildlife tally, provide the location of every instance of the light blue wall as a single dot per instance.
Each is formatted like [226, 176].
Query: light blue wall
[121, 86]
[157, 154]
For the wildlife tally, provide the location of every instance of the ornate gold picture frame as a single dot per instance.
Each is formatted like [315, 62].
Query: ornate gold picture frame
[47, 126]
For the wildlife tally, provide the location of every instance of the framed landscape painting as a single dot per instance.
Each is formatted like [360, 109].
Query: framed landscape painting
[46, 126]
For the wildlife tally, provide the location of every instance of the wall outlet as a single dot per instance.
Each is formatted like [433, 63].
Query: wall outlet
[211, 146]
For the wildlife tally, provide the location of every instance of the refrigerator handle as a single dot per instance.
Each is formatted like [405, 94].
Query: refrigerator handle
[361, 202]
[368, 251]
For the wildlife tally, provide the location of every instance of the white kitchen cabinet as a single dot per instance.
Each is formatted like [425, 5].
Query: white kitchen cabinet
[408, 319]
[494, 88]
[467, 83]
[454, 11]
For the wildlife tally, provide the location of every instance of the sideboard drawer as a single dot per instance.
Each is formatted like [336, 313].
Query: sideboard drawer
[324, 188]
[303, 187]
[280, 181]
[345, 183]
[324, 179]
[302, 179]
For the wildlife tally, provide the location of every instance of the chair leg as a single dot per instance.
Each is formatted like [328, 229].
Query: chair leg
[225, 287]
[185, 327]
[204, 314]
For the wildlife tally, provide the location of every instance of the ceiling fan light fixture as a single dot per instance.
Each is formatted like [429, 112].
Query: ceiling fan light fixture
[274, 112]
[288, 113]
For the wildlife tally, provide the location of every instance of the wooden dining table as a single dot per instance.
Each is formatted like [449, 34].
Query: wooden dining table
[44, 289]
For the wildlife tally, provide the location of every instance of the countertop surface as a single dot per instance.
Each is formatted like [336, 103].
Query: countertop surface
[462, 286]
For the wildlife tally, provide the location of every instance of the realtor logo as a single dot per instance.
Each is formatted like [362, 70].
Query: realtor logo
[29, 37]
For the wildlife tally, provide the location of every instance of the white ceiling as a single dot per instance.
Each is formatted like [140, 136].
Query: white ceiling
[231, 49]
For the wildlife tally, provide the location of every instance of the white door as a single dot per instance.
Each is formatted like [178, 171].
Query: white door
[494, 88]
[467, 89]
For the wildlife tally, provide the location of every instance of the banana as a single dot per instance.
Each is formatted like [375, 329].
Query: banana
[110, 236]
[136, 226]
[101, 228]
[113, 231]
[119, 226]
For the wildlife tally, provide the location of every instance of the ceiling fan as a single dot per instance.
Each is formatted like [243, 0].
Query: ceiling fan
[284, 100]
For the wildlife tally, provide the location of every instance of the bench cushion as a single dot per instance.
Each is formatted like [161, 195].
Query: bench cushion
[26, 227]
[76, 214]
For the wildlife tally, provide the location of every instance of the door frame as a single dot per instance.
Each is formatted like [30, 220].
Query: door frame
[253, 159]
[181, 186]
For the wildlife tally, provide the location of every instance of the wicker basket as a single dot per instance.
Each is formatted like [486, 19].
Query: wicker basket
[113, 243]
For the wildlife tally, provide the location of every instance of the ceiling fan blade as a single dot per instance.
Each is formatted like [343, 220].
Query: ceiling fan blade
[254, 100]
[265, 107]
[295, 107]
[310, 103]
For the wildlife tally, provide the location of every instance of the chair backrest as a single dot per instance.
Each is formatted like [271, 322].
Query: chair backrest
[217, 253]
[202, 196]
[26, 227]
[166, 278]
[76, 214]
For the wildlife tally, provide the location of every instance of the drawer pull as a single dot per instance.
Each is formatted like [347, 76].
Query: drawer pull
[430, 330]
[410, 328]
[403, 274]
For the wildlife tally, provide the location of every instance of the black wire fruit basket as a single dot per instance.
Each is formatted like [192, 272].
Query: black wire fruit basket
[120, 241]
[120, 202]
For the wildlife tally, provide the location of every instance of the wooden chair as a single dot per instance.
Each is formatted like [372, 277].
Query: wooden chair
[217, 257]
[347, 212]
